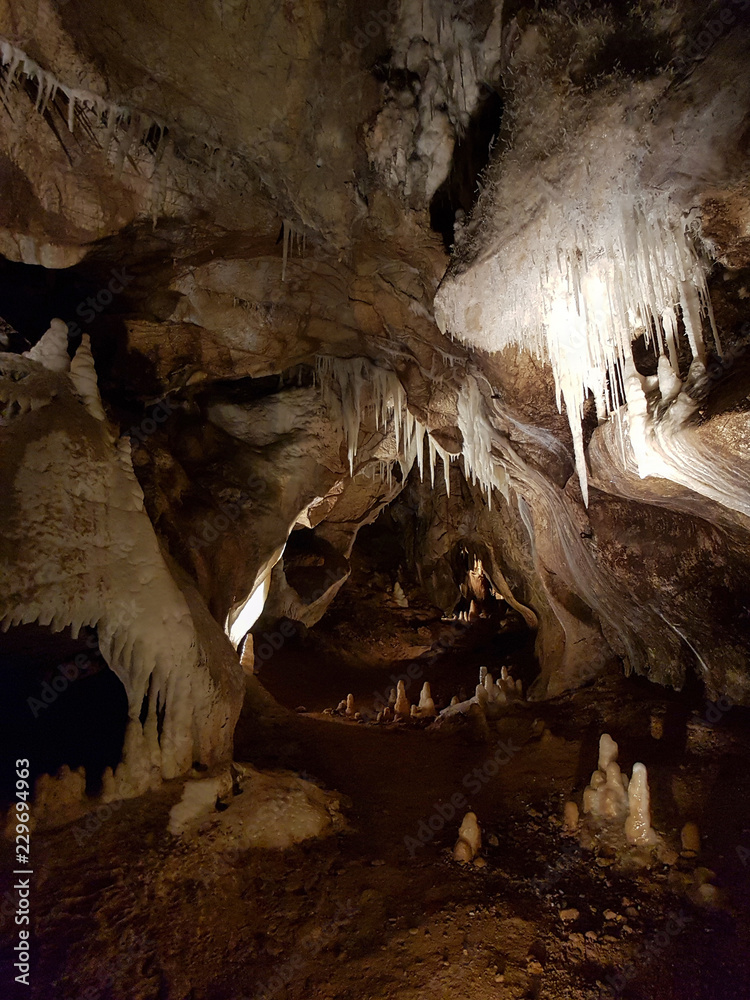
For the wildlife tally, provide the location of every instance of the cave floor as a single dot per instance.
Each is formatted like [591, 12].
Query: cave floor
[131, 914]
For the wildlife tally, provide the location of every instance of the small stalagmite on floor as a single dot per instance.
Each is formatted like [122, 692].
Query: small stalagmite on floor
[426, 707]
[402, 708]
[638, 828]
[611, 799]
[469, 839]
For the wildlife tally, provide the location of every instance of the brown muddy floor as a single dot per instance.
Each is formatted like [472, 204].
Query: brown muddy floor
[131, 914]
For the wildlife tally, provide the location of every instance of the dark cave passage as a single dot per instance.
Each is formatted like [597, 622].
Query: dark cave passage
[382, 627]
[62, 704]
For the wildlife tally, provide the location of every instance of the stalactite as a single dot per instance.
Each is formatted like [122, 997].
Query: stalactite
[361, 386]
[594, 282]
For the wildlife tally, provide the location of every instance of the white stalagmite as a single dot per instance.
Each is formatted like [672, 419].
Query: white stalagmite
[608, 751]
[611, 800]
[691, 838]
[606, 796]
[570, 817]
[469, 840]
[52, 349]
[402, 708]
[83, 377]
[426, 706]
[489, 695]
[638, 824]
[350, 706]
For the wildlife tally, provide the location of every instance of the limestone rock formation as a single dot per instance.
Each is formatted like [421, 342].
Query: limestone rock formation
[476, 267]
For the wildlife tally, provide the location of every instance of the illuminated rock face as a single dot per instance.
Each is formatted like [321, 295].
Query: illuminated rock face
[602, 248]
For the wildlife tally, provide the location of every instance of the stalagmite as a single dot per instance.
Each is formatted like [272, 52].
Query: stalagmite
[399, 596]
[613, 799]
[247, 657]
[481, 697]
[469, 839]
[590, 794]
[350, 710]
[656, 724]
[608, 751]
[638, 824]
[402, 708]
[52, 349]
[489, 695]
[83, 377]
[426, 706]
[570, 817]
[614, 803]
[606, 796]
[462, 852]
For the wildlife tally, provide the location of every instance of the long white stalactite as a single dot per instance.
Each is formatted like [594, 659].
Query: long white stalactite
[586, 284]
[359, 386]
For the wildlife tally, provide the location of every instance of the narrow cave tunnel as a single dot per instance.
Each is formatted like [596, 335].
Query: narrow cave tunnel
[375, 543]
